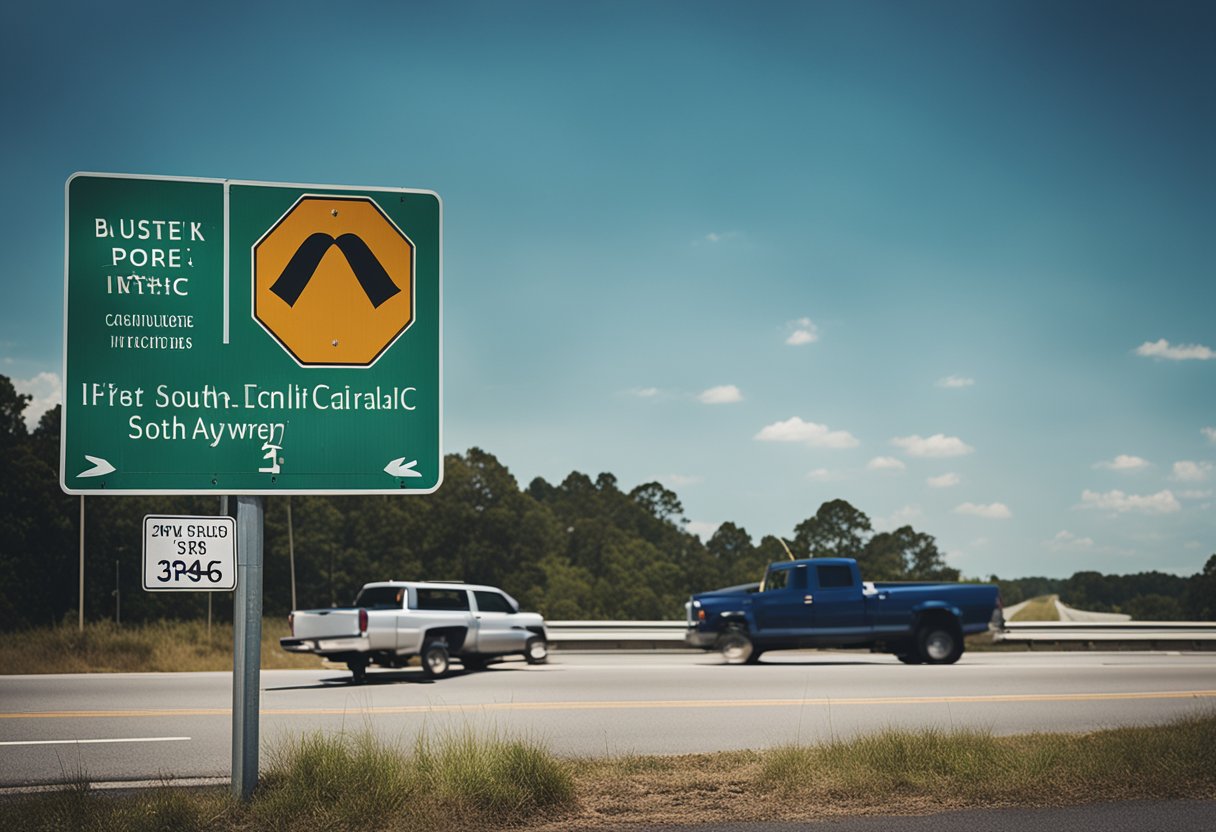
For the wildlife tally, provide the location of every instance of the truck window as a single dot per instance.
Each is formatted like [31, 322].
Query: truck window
[492, 601]
[800, 576]
[442, 599]
[834, 576]
[777, 579]
[380, 598]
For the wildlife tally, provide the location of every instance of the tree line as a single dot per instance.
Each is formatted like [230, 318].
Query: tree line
[583, 548]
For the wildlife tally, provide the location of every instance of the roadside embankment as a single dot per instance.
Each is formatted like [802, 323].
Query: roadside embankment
[465, 781]
[156, 647]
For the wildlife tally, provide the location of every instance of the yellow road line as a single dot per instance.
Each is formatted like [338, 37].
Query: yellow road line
[640, 704]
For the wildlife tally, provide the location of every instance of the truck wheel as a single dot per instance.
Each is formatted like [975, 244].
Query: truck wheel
[358, 671]
[536, 650]
[435, 659]
[735, 647]
[939, 643]
[908, 658]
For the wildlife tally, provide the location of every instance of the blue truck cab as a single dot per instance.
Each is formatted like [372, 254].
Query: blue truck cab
[823, 602]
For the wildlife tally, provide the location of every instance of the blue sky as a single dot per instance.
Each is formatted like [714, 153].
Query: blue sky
[949, 261]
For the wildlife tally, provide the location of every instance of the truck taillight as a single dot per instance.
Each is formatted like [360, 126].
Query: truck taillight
[362, 622]
[291, 622]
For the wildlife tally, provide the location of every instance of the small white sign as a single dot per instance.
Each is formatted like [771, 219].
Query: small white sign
[189, 554]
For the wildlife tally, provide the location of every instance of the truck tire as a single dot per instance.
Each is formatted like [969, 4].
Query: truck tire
[435, 659]
[358, 671]
[474, 664]
[939, 643]
[536, 650]
[909, 658]
[736, 647]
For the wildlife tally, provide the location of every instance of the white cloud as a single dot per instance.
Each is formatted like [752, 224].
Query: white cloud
[644, 392]
[992, 511]
[804, 332]
[1123, 462]
[722, 394]
[819, 475]
[943, 481]
[1163, 502]
[682, 479]
[1182, 352]
[46, 391]
[1210, 433]
[807, 433]
[937, 445]
[1188, 471]
[1067, 540]
[886, 463]
[702, 529]
[1195, 494]
[955, 382]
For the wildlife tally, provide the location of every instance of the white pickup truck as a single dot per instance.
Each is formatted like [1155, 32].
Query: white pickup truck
[393, 621]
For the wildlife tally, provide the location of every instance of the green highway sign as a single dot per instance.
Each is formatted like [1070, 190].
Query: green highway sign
[250, 338]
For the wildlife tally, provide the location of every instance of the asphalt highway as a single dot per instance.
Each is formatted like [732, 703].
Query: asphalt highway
[113, 727]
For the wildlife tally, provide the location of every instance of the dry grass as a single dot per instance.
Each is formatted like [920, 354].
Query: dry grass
[162, 646]
[919, 771]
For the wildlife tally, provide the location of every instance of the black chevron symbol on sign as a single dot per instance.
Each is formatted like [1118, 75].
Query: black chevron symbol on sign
[376, 283]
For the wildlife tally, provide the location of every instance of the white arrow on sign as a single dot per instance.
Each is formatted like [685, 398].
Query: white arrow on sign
[100, 467]
[400, 468]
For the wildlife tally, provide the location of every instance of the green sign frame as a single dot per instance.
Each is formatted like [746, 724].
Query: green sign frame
[172, 385]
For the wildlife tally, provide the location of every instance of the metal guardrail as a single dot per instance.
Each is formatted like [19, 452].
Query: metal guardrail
[1175, 633]
[616, 635]
[657, 635]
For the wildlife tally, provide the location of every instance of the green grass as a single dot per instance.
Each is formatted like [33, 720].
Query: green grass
[161, 646]
[164, 809]
[339, 784]
[358, 783]
[1172, 761]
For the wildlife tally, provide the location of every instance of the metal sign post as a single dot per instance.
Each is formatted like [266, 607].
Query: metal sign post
[246, 645]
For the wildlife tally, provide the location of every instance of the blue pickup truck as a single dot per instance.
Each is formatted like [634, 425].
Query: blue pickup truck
[822, 602]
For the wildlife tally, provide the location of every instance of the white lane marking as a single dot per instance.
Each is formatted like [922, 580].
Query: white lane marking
[90, 742]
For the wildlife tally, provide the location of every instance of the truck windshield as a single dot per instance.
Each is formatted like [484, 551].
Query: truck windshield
[381, 598]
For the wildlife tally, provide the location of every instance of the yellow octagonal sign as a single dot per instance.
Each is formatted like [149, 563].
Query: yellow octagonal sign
[333, 281]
